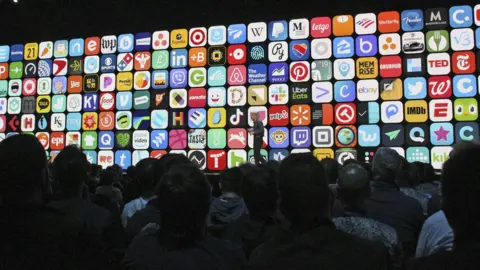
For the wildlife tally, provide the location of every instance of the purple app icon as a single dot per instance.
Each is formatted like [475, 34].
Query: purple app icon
[278, 72]
[300, 137]
[366, 45]
[143, 41]
[178, 78]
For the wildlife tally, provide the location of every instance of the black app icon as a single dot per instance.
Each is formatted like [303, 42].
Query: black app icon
[417, 134]
[393, 135]
[217, 55]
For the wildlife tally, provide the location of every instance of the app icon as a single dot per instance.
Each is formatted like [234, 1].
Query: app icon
[392, 135]
[461, 16]
[466, 109]
[368, 135]
[441, 134]
[416, 111]
[412, 20]
[279, 137]
[343, 25]
[343, 47]
[277, 30]
[237, 33]
[466, 131]
[420, 154]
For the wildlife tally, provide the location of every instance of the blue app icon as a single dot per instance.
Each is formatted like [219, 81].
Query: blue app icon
[159, 139]
[4, 53]
[369, 135]
[106, 140]
[477, 36]
[278, 154]
[108, 63]
[216, 35]
[278, 72]
[125, 43]
[217, 76]
[461, 16]
[237, 33]
[277, 30]
[366, 45]
[415, 88]
[257, 74]
[420, 154]
[178, 78]
[76, 47]
[373, 112]
[345, 91]
[43, 123]
[197, 118]
[60, 48]
[179, 58]
[143, 41]
[343, 47]
[278, 137]
[91, 156]
[441, 134]
[464, 86]
[16, 52]
[466, 131]
[123, 158]
[124, 101]
[299, 50]
[90, 102]
[45, 68]
[160, 79]
[412, 20]
[74, 121]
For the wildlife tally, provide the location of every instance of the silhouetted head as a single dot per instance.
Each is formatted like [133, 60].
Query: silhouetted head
[353, 185]
[231, 181]
[71, 169]
[331, 167]
[108, 178]
[386, 164]
[260, 191]
[166, 162]
[145, 175]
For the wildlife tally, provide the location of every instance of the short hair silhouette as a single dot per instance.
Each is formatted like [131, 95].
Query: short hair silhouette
[353, 184]
[166, 162]
[145, 174]
[386, 164]
[331, 167]
[71, 167]
[260, 191]
[231, 180]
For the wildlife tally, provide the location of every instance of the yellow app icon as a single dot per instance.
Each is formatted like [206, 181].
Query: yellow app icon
[179, 38]
[367, 68]
[44, 104]
[257, 95]
[31, 51]
[90, 121]
[217, 117]
[323, 153]
[416, 111]
[392, 89]
[124, 81]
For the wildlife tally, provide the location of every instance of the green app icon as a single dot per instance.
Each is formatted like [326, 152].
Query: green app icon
[217, 138]
[197, 77]
[235, 158]
[123, 140]
[14, 105]
[438, 41]
[251, 157]
[89, 140]
[322, 70]
[141, 100]
[59, 103]
[16, 70]
[3, 88]
[466, 109]
[160, 60]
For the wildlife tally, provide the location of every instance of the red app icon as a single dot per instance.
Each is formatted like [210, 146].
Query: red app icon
[197, 97]
[440, 87]
[216, 160]
[345, 114]
[278, 116]
[57, 140]
[237, 54]
[391, 66]
[463, 62]
[29, 87]
[92, 46]
[158, 153]
[3, 123]
[321, 27]
[107, 101]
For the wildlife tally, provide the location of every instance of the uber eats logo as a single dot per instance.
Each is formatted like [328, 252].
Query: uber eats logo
[416, 111]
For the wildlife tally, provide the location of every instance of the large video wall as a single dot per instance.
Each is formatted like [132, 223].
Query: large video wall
[339, 87]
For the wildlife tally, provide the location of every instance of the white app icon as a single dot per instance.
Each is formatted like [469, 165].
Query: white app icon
[237, 96]
[278, 51]
[321, 48]
[462, 39]
[365, 23]
[74, 103]
[160, 40]
[108, 44]
[322, 92]
[439, 154]
[367, 90]
[257, 32]
[440, 110]
[344, 69]
[392, 112]
[299, 28]
[438, 63]
[141, 139]
[389, 44]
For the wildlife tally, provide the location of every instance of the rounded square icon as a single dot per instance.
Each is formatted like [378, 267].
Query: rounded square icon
[197, 77]
[74, 121]
[346, 136]
[142, 80]
[367, 68]
[262, 115]
[159, 139]
[278, 116]
[217, 76]
[74, 103]
[322, 92]
[322, 70]
[278, 137]
[124, 81]
[257, 74]
[217, 117]
[160, 79]
[45, 50]
[277, 30]
[463, 62]
[141, 139]
[393, 135]
[90, 121]
[389, 22]
[178, 98]
[278, 94]
[106, 121]
[217, 35]
[391, 89]
[109, 44]
[367, 90]
[440, 87]
[197, 139]
[438, 63]
[464, 86]
[29, 87]
[466, 131]
[323, 136]
[343, 47]
[31, 51]
[217, 55]
[299, 50]
[300, 137]
[436, 18]
[45, 68]
[369, 135]
[392, 112]
[476, 14]
[237, 138]
[420, 154]
[60, 48]
[4, 71]
[217, 138]
[59, 103]
[365, 23]
[414, 65]
[462, 39]
[14, 105]
[217, 97]
[92, 46]
[320, 27]
[466, 109]
[125, 43]
[416, 111]
[278, 73]
[257, 95]
[76, 47]
[197, 37]
[278, 51]
[345, 91]
[343, 25]
[237, 54]
[5, 53]
[438, 41]
[57, 122]
[107, 82]
[59, 85]
[123, 120]
[160, 40]
[197, 97]
[159, 119]
[237, 117]
[107, 101]
[321, 48]
[461, 16]
[417, 134]
[178, 78]
[125, 62]
[441, 134]
[391, 66]
[237, 33]
[160, 60]
[345, 113]
[300, 71]
[441, 110]
[60, 67]
[106, 140]
[413, 42]
[197, 118]
[257, 32]
[344, 69]
[366, 45]
[179, 58]
[299, 28]
[44, 86]
[237, 96]
[412, 20]
[439, 155]
[389, 44]
[300, 115]
[142, 61]
[15, 88]
[237, 75]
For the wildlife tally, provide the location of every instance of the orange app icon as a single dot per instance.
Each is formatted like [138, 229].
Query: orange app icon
[389, 22]
[300, 115]
[3, 71]
[106, 121]
[92, 46]
[90, 121]
[143, 61]
[346, 136]
[75, 84]
[197, 57]
[343, 25]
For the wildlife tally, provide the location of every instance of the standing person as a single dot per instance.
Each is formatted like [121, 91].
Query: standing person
[257, 132]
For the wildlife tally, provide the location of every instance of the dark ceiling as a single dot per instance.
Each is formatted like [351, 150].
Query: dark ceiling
[38, 20]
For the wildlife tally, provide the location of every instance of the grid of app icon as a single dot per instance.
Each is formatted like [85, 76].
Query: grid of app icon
[339, 87]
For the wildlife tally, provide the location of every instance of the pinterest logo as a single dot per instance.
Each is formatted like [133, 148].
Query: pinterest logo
[299, 71]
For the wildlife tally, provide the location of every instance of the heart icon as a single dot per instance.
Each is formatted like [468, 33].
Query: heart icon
[300, 49]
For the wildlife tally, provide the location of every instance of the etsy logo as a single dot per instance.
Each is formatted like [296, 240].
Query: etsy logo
[321, 27]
